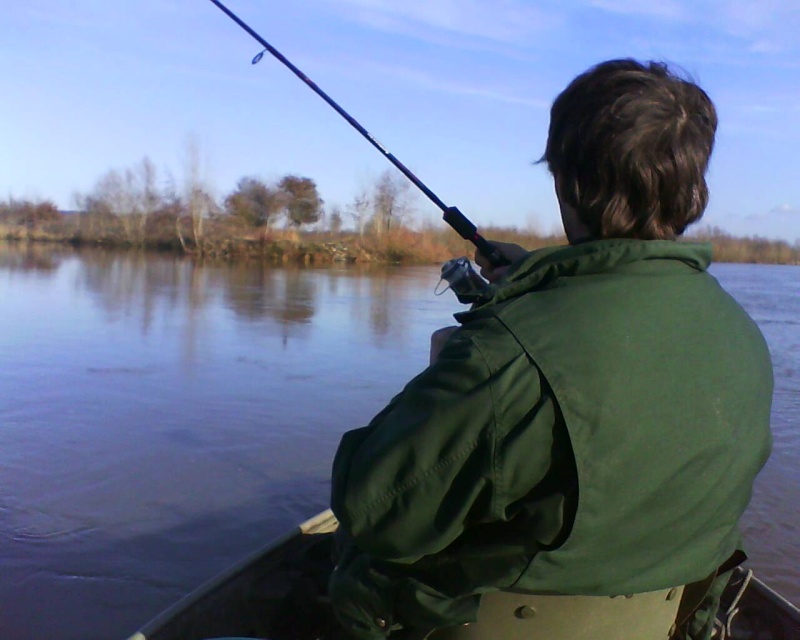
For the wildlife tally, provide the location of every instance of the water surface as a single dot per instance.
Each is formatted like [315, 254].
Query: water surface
[160, 419]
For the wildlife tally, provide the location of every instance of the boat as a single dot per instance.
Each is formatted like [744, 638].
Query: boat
[275, 594]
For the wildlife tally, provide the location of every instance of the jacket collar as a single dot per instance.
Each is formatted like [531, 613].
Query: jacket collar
[541, 268]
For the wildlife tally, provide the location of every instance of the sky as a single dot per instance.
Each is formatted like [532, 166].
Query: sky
[458, 90]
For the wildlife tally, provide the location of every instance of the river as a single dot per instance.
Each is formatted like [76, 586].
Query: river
[160, 419]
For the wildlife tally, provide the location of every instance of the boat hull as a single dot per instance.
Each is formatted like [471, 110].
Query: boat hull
[275, 593]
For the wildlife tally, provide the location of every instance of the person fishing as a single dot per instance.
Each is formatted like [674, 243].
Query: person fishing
[595, 425]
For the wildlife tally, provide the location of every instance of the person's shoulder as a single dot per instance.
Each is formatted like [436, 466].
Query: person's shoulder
[490, 336]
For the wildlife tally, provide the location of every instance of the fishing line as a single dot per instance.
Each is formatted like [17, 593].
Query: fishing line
[451, 215]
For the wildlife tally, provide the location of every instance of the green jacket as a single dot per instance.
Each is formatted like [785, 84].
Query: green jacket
[595, 428]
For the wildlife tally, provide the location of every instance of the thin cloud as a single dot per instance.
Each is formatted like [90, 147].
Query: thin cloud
[498, 94]
[506, 21]
[768, 27]
[748, 18]
[665, 9]
[777, 107]
[429, 82]
[773, 116]
[780, 223]
[786, 210]
[94, 13]
[782, 220]
[733, 31]
[88, 17]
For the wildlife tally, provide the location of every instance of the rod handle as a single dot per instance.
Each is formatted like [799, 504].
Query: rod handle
[469, 231]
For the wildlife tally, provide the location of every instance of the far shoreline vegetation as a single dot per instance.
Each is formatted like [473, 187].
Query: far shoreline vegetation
[285, 222]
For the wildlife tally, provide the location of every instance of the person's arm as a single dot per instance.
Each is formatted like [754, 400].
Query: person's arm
[405, 486]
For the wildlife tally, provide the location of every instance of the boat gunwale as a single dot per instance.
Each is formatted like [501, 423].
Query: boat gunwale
[323, 522]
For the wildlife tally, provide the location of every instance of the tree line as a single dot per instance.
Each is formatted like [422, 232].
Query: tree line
[281, 219]
[136, 206]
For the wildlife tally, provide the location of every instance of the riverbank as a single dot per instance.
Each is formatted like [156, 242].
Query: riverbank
[218, 240]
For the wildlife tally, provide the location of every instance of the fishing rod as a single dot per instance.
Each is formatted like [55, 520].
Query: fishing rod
[451, 215]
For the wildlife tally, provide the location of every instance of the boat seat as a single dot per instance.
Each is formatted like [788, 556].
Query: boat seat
[507, 615]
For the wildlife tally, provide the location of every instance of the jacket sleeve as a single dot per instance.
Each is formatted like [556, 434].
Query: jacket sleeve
[406, 485]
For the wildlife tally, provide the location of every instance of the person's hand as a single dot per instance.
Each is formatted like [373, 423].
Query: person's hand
[438, 338]
[511, 252]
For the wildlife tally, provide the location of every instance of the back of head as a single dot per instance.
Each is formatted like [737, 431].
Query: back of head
[629, 146]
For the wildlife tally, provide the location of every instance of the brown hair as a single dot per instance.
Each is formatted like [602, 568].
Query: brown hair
[629, 146]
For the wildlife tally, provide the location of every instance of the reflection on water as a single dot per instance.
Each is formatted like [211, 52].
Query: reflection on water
[141, 287]
[138, 285]
[28, 258]
[160, 418]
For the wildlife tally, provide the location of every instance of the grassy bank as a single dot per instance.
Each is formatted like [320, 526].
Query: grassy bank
[219, 239]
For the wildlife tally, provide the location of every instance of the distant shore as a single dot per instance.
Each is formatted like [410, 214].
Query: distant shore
[219, 240]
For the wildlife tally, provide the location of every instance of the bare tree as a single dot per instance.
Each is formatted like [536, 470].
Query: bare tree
[391, 202]
[150, 195]
[335, 220]
[197, 194]
[111, 200]
[125, 199]
[170, 210]
[141, 185]
[358, 210]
